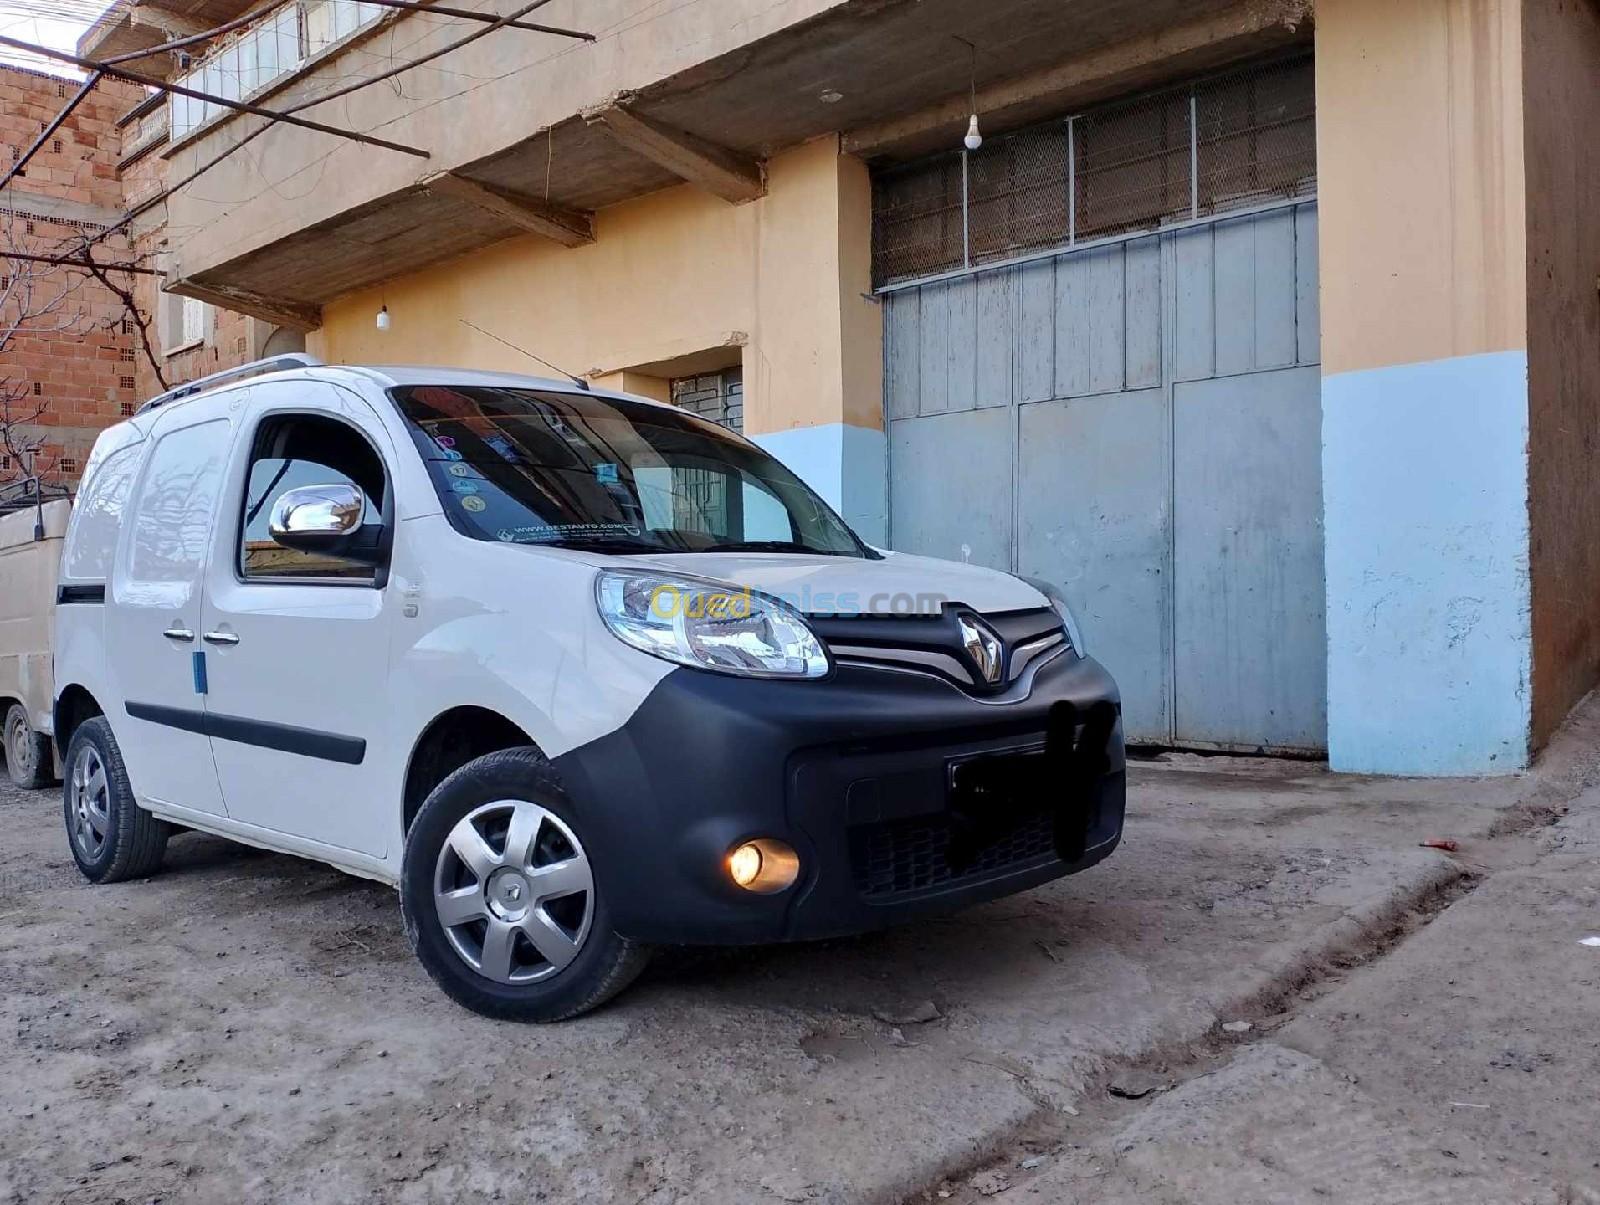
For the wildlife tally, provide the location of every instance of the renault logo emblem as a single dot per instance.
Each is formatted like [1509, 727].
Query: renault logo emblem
[983, 647]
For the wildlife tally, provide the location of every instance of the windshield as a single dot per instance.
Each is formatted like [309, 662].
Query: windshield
[579, 471]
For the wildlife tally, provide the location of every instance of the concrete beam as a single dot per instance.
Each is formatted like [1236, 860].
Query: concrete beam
[569, 227]
[1206, 43]
[292, 314]
[722, 172]
[176, 25]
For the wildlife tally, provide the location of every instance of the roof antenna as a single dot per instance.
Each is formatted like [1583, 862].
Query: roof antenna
[576, 380]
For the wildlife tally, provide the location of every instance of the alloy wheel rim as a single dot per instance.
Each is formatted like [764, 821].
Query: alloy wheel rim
[89, 797]
[514, 891]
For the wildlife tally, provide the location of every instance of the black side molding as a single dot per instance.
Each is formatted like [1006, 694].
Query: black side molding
[286, 738]
[81, 593]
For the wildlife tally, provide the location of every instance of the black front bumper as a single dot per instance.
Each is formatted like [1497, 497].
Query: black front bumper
[888, 785]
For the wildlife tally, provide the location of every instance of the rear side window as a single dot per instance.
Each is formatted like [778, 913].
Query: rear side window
[97, 516]
[295, 450]
[177, 500]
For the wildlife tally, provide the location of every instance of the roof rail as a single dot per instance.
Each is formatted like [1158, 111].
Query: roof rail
[292, 359]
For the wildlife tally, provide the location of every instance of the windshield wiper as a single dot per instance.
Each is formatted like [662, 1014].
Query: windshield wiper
[609, 546]
[772, 546]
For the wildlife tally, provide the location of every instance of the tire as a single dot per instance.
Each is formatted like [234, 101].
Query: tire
[112, 838]
[459, 856]
[28, 759]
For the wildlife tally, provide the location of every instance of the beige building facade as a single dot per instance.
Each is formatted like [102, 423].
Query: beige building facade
[1363, 234]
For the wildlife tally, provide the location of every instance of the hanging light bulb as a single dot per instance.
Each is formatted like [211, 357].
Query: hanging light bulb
[383, 318]
[973, 139]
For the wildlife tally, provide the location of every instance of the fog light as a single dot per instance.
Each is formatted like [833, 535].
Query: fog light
[744, 864]
[763, 866]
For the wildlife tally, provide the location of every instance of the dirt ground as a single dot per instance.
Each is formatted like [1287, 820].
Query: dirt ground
[246, 1026]
[1460, 1066]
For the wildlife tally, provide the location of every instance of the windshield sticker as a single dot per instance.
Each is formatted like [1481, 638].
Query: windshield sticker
[546, 533]
[462, 486]
[457, 469]
[605, 474]
[506, 449]
[445, 441]
[473, 503]
[449, 454]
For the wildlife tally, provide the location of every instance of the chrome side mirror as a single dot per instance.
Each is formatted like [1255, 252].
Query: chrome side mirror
[320, 518]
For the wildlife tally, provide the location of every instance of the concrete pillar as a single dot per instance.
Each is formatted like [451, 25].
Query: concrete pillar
[814, 367]
[644, 384]
[1425, 385]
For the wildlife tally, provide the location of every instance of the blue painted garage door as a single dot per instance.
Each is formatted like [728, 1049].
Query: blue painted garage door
[1138, 422]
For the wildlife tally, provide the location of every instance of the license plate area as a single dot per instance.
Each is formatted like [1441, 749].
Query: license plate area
[993, 795]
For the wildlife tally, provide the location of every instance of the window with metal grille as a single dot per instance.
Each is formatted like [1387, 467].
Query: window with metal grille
[1228, 142]
[55, 145]
[126, 409]
[38, 389]
[69, 464]
[701, 497]
[718, 396]
[125, 355]
[125, 382]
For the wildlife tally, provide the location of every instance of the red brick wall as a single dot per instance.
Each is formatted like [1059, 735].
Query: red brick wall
[98, 372]
[82, 375]
[85, 168]
[230, 342]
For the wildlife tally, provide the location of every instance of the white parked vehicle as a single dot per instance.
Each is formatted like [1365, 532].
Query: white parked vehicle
[30, 551]
[578, 672]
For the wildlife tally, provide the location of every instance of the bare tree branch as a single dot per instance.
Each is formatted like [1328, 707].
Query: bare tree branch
[135, 315]
[43, 298]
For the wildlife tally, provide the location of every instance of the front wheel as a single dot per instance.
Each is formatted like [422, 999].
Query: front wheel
[500, 899]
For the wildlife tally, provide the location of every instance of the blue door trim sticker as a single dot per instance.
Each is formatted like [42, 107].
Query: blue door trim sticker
[286, 738]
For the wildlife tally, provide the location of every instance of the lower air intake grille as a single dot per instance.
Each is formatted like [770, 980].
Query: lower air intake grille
[900, 856]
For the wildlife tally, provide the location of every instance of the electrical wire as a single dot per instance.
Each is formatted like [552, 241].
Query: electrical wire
[616, 29]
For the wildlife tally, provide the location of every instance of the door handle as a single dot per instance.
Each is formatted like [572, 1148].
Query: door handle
[221, 638]
[177, 633]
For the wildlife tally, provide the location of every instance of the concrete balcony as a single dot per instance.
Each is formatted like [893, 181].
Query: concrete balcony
[127, 27]
[530, 132]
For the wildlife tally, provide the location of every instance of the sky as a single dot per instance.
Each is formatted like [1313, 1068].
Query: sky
[21, 19]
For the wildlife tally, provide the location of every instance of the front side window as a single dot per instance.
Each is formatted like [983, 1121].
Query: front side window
[579, 471]
[293, 450]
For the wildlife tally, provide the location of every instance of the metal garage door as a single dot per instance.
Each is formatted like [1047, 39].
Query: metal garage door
[1138, 422]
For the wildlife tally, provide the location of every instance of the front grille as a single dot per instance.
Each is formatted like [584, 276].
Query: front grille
[933, 644]
[901, 856]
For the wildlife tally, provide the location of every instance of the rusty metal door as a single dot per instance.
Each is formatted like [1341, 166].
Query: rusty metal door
[1139, 423]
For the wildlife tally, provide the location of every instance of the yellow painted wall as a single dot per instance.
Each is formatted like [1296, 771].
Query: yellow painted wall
[1420, 180]
[668, 276]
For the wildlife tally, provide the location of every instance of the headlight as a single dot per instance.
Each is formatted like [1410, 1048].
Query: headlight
[708, 625]
[1059, 604]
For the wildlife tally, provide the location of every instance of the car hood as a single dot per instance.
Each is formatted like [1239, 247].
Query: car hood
[831, 585]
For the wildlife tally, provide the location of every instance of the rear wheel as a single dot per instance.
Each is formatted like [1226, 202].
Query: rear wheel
[500, 899]
[111, 836]
[27, 751]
